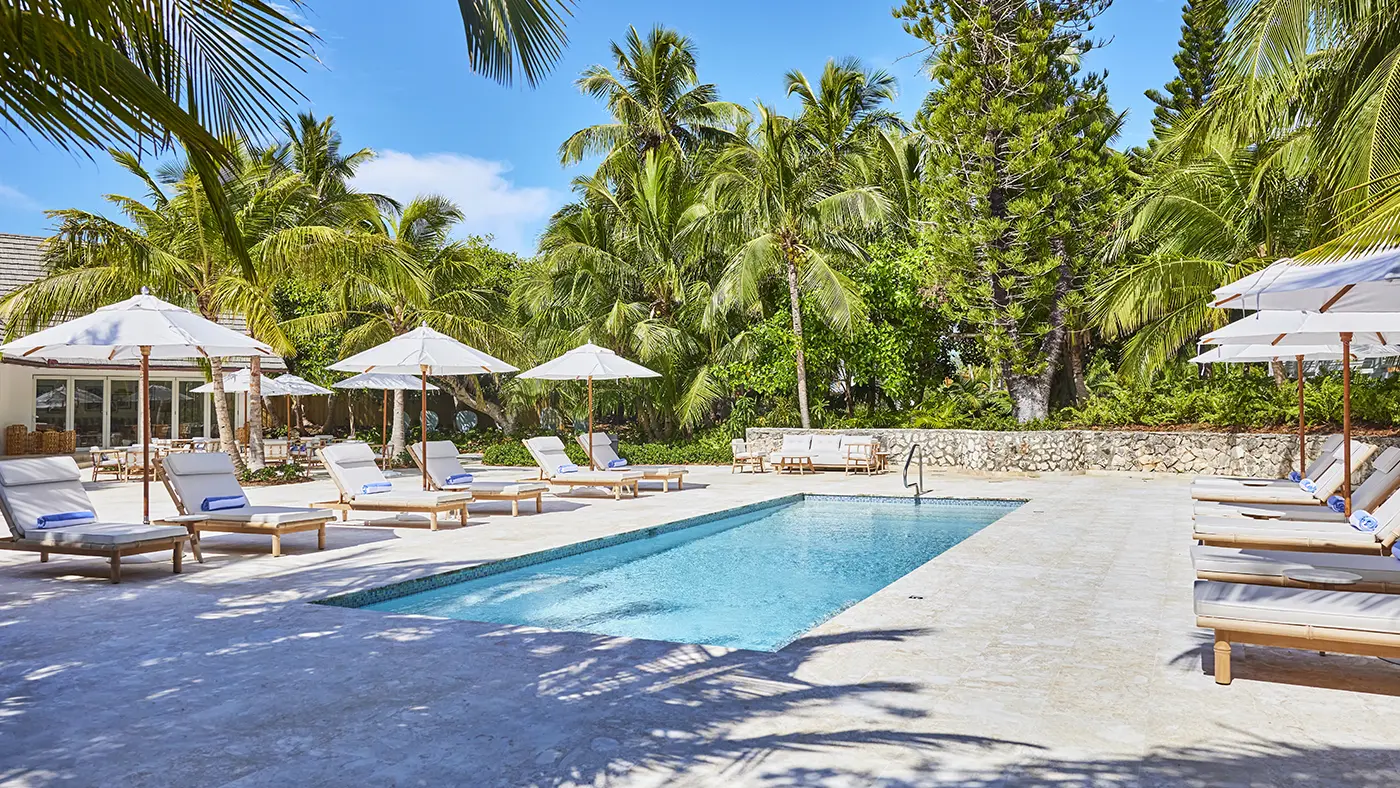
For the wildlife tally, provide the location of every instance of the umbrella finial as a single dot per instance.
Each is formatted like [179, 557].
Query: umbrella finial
[145, 290]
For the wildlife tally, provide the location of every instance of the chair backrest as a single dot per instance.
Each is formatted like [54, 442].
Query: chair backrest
[275, 450]
[191, 477]
[134, 454]
[1383, 481]
[826, 444]
[797, 443]
[603, 452]
[548, 452]
[36, 486]
[738, 446]
[859, 447]
[351, 466]
[1329, 452]
[442, 460]
[1330, 480]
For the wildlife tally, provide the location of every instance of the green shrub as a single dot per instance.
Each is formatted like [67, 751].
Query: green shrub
[286, 473]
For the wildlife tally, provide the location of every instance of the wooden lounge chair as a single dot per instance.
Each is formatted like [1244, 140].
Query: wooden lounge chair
[443, 465]
[1339, 621]
[1303, 535]
[37, 487]
[605, 457]
[557, 468]
[1376, 490]
[193, 480]
[1331, 449]
[1284, 491]
[352, 467]
[1377, 574]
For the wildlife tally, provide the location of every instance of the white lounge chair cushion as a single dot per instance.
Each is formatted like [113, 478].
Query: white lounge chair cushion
[656, 470]
[271, 515]
[1243, 494]
[352, 466]
[197, 476]
[503, 488]
[1264, 511]
[1271, 563]
[104, 534]
[1299, 606]
[411, 498]
[1332, 533]
[442, 462]
[36, 486]
[600, 478]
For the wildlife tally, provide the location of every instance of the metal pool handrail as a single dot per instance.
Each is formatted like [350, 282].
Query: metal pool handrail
[919, 485]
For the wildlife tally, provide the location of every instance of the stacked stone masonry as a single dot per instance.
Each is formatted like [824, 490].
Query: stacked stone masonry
[1240, 454]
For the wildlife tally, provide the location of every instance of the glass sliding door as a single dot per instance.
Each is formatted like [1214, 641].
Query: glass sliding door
[125, 425]
[191, 409]
[89, 397]
[50, 404]
[162, 409]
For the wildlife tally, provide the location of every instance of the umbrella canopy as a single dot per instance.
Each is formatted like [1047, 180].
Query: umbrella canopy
[589, 362]
[239, 382]
[420, 351]
[1245, 354]
[119, 331]
[1368, 282]
[424, 352]
[1308, 328]
[382, 381]
[294, 386]
[143, 327]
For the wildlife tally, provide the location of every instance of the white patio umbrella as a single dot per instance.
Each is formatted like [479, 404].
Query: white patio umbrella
[385, 382]
[239, 381]
[141, 327]
[1287, 330]
[589, 362]
[1246, 354]
[424, 352]
[1364, 282]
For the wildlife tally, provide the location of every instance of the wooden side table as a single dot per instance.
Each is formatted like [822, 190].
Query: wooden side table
[798, 462]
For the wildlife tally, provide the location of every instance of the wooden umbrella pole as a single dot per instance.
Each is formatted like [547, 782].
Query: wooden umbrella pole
[423, 424]
[591, 464]
[145, 437]
[1346, 421]
[289, 419]
[1302, 429]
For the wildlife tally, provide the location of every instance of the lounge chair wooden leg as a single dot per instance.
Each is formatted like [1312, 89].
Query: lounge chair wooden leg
[321, 537]
[195, 546]
[43, 556]
[617, 492]
[515, 507]
[680, 483]
[178, 557]
[116, 567]
[539, 502]
[276, 545]
[1222, 659]
[432, 521]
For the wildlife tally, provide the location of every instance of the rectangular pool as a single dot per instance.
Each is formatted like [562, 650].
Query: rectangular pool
[757, 577]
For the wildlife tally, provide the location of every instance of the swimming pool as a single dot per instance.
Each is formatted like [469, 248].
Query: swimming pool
[757, 577]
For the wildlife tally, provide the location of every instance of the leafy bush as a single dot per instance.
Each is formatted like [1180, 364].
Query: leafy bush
[287, 473]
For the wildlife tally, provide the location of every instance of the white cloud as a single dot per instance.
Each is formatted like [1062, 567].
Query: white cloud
[492, 204]
[16, 198]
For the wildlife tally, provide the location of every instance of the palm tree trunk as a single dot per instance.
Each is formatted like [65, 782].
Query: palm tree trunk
[222, 417]
[396, 443]
[794, 297]
[256, 458]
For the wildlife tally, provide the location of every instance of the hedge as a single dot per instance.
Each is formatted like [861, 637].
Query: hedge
[699, 452]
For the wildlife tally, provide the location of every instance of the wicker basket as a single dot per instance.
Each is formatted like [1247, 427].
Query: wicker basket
[15, 439]
[31, 443]
[51, 442]
[70, 442]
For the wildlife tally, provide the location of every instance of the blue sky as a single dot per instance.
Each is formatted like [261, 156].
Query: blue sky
[394, 77]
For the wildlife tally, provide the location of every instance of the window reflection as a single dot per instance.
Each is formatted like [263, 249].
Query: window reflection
[191, 410]
[50, 405]
[87, 412]
[126, 410]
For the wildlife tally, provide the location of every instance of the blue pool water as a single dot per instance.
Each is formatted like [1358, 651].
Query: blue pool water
[755, 580]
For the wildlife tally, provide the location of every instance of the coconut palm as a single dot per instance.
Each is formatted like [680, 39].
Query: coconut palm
[656, 101]
[843, 114]
[1192, 229]
[793, 222]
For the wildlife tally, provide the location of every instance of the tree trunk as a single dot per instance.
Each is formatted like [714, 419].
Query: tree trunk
[1030, 397]
[396, 442]
[256, 458]
[1078, 340]
[800, 358]
[222, 416]
[350, 412]
[468, 389]
[1280, 376]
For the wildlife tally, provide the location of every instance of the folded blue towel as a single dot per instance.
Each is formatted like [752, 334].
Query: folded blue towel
[1337, 504]
[375, 487]
[617, 463]
[1308, 486]
[61, 519]
[1363, 520]
[567, 467]
[1294, 476]
[459, 478]
[216, 503]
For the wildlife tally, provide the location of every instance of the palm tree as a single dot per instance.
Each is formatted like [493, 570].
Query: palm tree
[845, 112]
[792, 221]
[419, 275]
[1192, 229]
[656, 100]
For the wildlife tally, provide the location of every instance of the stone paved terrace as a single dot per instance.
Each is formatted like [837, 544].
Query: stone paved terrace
[1055, 647]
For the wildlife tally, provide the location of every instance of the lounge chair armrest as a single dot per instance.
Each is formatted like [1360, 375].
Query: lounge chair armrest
[181, 519]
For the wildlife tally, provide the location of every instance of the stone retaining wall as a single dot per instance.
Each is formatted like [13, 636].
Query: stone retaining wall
[1242, 454]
